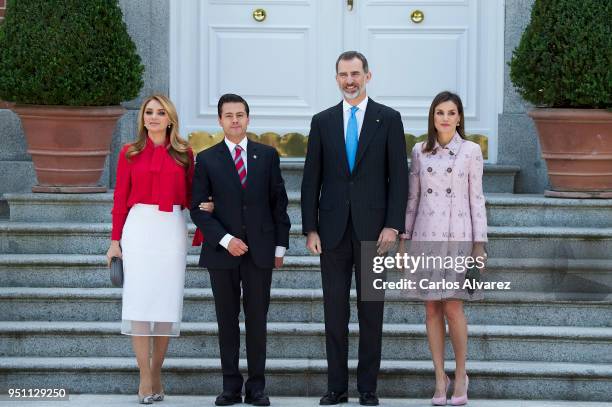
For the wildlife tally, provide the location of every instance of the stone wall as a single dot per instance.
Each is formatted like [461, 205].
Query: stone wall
[518, 140]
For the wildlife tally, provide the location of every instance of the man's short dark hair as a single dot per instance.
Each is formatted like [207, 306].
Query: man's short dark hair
[348, 55]
[231, 98]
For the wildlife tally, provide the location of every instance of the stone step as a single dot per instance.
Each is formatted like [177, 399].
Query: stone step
[75, 270]
[96, 207]
[307, 377]
[538, 210]
[117, 400]
[496, 178]
[502, 209]
[504, 241]
[307, 340]
[306, 305]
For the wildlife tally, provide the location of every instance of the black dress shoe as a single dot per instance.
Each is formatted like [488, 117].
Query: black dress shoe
[368, 398]
[257, 398]
[228, 398]
[332, 397]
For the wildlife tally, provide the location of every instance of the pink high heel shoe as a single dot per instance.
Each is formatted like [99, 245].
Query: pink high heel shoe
[461, 400]
[441, 401]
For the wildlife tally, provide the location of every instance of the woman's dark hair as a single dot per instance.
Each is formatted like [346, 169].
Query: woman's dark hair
[432, 133]
[231, 98]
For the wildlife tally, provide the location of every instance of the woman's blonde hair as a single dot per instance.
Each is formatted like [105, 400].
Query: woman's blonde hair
[177, 148]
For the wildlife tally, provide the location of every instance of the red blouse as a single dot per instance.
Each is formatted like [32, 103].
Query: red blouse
[150, 177]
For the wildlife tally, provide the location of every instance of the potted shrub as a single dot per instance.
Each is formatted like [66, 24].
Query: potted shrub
[66, 65]
[563, 65]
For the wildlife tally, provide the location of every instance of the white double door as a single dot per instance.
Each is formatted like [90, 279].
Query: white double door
[284, 66]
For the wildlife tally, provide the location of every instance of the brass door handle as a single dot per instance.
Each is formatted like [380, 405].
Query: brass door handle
[417, 16]
[259, 15]
[349, 5]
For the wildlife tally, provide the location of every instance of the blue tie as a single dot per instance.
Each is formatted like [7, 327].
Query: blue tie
[352, 138]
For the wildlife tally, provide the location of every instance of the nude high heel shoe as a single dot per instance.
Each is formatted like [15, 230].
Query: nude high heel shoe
[461, 400]
[158, 396]
[441, 401]
[146, 399]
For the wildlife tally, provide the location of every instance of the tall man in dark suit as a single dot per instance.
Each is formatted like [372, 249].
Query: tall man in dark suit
[355, 189]
[245, 237]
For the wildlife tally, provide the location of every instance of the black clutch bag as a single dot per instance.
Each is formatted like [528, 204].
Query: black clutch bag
[116, 271]
[472, 275]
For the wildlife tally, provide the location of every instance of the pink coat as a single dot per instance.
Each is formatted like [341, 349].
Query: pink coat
[446, 201]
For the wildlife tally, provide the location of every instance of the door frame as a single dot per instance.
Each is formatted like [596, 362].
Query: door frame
[175, 61]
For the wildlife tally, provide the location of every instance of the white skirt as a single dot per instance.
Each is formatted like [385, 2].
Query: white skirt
[154, 246]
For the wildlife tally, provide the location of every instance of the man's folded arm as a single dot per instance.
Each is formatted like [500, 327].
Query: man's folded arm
[211, 228]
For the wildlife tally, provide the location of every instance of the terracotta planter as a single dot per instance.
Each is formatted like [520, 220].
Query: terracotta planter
[577, 147]
[69, 145]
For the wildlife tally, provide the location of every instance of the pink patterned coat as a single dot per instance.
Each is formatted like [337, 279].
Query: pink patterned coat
[446, 201]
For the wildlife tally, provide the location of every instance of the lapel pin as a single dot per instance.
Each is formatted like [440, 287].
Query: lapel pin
[377, 120]
[254, 156]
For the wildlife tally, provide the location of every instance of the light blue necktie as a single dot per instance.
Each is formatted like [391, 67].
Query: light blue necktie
[352, 138]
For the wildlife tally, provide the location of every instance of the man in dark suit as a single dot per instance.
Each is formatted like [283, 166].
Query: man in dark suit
[246, 235]
[354, 189]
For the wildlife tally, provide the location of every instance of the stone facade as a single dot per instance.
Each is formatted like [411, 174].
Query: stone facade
[148, 24]
[518, 140]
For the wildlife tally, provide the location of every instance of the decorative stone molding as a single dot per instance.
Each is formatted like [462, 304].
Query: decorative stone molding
[293, 145]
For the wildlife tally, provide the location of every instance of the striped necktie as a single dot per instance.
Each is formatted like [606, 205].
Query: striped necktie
[242, 173]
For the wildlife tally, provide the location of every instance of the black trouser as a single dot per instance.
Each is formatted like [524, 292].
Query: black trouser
[255, 300]
[337, 273]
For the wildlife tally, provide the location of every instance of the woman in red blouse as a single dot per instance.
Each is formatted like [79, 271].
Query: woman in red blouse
[153, 187]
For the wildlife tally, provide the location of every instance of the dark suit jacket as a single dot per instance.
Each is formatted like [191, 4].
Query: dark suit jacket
[375, 193]
[256, 214]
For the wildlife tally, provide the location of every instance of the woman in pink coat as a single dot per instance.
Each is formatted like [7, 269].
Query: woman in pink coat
[446, 215]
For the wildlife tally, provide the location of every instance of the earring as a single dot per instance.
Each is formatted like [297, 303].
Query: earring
[169, 125]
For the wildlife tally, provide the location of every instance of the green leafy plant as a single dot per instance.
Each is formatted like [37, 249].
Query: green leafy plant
[67, 52]
[564, 58]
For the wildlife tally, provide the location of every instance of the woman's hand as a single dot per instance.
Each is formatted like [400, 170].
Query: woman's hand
[207, 206]
[113, 251]
[479, 253]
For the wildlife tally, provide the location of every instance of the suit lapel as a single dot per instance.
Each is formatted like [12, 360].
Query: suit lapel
[371, 122]
[227, 163]
[253, 160]
[337, 132]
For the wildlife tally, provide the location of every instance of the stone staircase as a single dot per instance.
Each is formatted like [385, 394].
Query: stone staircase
[550, 337]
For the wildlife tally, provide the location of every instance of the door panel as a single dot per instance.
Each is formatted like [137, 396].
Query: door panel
[280, 65]
[284, 65]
